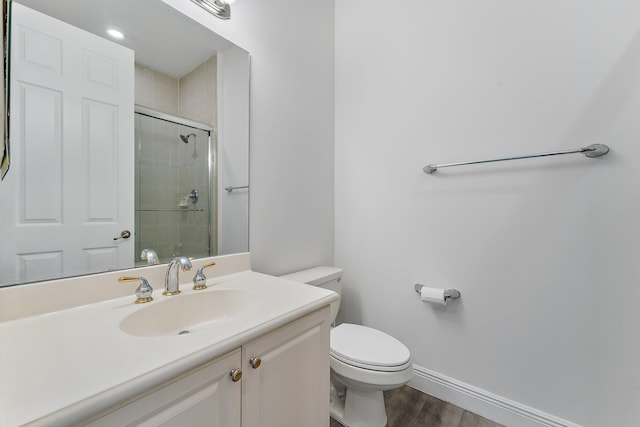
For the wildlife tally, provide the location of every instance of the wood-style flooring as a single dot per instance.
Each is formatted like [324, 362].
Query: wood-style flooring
[407, 407]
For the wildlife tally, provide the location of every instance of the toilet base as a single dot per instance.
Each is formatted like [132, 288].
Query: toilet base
[359, 408]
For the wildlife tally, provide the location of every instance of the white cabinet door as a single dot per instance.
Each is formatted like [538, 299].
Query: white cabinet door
[290, 388]
[70, 188]
[205, 397]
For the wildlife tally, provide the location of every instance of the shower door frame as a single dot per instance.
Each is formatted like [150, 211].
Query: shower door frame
[212, 162]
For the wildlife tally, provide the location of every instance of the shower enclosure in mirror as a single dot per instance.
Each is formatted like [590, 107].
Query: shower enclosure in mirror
[174, 170]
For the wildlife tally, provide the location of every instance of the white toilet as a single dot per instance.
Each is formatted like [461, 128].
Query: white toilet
[364, 361]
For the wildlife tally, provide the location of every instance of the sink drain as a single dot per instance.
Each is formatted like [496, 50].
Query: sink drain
[183, 332]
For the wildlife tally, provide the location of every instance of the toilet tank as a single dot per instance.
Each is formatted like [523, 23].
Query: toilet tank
[324, 277]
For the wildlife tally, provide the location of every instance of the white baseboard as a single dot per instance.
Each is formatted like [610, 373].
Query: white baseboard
[482, 402]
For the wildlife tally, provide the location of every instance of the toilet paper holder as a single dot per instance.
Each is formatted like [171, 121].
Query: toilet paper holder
[448, 293]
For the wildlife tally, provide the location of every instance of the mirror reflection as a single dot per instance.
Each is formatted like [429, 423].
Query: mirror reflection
[121, 150]
[173, 177]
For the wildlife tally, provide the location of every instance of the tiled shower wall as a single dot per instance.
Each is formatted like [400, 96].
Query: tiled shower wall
[193, 95]
[169, 168]
[157, 90]
[199, 93]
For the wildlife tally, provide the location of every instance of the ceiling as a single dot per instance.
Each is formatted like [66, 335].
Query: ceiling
[163, 39]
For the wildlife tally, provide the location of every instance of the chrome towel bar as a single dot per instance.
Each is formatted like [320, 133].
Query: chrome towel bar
[170, 210]
[230, 189]
[592, 151]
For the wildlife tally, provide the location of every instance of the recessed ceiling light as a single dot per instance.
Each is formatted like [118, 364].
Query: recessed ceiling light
[115, 34]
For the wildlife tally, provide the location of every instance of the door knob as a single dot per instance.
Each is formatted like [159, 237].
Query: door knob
[124, 235]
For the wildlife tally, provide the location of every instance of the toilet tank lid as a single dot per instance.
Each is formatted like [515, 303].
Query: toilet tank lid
[315, 276]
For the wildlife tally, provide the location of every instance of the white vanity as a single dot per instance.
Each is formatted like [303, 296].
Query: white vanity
[258, 357]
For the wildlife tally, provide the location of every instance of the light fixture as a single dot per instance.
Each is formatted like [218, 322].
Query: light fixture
[219, 8]
[115, 34]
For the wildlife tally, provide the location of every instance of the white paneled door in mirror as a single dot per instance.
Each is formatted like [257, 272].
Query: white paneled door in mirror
[72, 131]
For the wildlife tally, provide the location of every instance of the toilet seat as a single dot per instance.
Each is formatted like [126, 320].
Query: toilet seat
[368, 348]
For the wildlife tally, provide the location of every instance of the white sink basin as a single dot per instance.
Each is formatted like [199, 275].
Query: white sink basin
[183, 314]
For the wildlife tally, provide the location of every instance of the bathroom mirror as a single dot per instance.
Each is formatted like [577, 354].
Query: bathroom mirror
[143, 145]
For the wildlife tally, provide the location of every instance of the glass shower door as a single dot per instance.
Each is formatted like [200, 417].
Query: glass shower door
[173, 189]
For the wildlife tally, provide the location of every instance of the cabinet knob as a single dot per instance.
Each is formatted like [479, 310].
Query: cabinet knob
[236, 375]
[255, 362]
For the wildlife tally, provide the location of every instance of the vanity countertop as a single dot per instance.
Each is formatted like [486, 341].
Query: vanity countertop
[61, 367]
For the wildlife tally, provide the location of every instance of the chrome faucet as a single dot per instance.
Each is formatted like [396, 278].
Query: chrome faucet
[171, 283]
[150, 256]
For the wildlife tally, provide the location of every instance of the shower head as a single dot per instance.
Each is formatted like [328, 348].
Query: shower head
[185, 138]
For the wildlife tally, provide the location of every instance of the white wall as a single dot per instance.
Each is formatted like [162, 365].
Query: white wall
[292, 54]
[545, 252]
[233, 150]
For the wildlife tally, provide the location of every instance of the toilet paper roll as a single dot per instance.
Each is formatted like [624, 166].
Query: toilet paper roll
[433, 295]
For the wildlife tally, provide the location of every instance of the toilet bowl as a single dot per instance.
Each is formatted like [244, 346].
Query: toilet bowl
[364, 361]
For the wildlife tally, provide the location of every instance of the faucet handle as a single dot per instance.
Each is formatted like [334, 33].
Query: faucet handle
[144, 290]
[200, 279]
